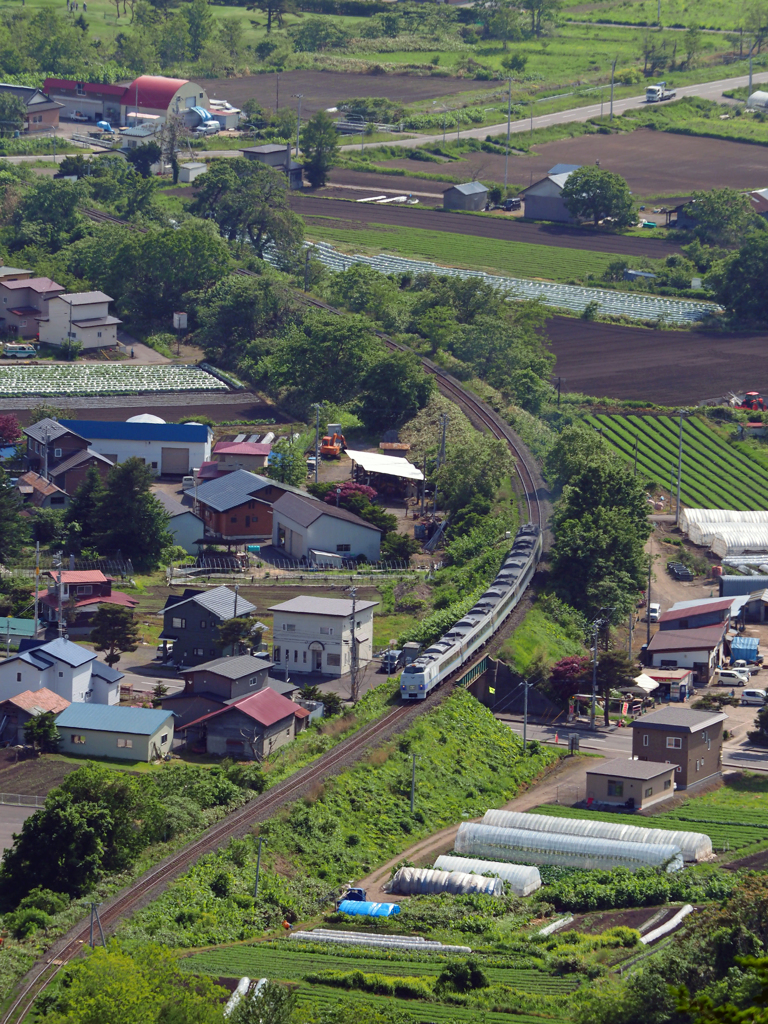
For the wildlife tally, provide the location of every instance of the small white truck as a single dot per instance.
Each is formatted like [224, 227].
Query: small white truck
[657, 93]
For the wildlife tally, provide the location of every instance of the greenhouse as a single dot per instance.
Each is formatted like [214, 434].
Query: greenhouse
[694, 846]
[740, 538]
[688, 516]
[414, 942]
[517, 844]
[358, 907]
[420, 881]
[521, 878]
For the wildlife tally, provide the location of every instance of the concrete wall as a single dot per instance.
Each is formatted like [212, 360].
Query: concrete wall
[636, 789]
[105, 744]
[697, 759]
[321, 643]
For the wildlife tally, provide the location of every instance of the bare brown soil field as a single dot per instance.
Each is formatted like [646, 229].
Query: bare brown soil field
[323, 89]
[597, 923]
[654, 163]
[31, 778]
[512, 229]
[344, 176]
[668, 367]
[219, 407]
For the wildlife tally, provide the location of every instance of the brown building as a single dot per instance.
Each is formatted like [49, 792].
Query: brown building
[17, 711]
[250, 727]
[630, 783]
[69, 474]
[25, 302]
[690, 740]
[50, 444]
[42, 112]
[237, 507]
[35, 490]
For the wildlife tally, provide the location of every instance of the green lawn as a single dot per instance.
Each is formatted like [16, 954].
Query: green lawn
[729, 15]
[538, 635]
[520, 259]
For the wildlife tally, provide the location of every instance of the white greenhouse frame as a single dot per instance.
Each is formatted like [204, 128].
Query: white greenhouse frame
[419, 881]
[523, 879]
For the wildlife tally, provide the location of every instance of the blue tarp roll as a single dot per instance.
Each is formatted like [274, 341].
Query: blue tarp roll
[744, 648]
[368, 909]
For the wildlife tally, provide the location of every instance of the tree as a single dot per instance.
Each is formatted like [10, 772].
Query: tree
[267, 1002]
[41, 733]
[320, 146]
[476, 466]
[132, 519]
[82, 518]
[541, 12]
[247, 198]
[13, 113]
[394, 388]
[13, 529]
[515, 62]
[200, 24]
[143, 157]
[287, 463]
[399, 546]
[48, 214]
[723, 217]
[274, 9]
[10, 429]
[737, 281]
[577, 446]
[317, 34]
[239, 632]
[614, 669]
[596, 193]
[47, 525]
[567, 676]
[331, 704]
[692, 42]
[115, 630]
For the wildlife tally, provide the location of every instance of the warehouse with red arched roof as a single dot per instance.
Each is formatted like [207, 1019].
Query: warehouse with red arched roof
[155, 95]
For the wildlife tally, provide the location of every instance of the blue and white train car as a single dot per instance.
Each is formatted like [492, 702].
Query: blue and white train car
[456, 648]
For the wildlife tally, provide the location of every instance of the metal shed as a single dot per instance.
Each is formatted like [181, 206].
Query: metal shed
[523, 879]
[471, 196]
[693, 845]
[516, 844]
[411, 881]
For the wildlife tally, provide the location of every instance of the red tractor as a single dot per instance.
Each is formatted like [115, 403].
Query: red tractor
[753, 401]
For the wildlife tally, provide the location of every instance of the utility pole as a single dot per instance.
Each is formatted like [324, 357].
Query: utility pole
[316, 406]
[594, 681]
[95, 913]
[509, 129]
[679, 467]
[277, 98]
[353, 666]
[45, 455]
[658, 13]
[37, 585]
[258, 868]
[424, 486]
[306, 271]
[60, 609]
[648, 602]
[444, 422]
[413, 784]
[613, 72]
[299, 96]
[237, 588]
[635, 455]
[525, 714]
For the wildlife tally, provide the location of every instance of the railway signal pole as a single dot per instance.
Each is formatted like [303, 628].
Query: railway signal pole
[95, 913]
[413, 784]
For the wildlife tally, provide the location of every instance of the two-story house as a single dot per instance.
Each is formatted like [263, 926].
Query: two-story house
[25, 302]
[191, 621]
[50, 444]
[237, 507]
[42, 113]
[67, 670]
[83, 592]
[81, 316]
[315, 634]
[69, 474]
[250, 727]
[691, 740]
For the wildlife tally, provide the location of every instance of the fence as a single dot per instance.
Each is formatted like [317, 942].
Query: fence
[20, 800]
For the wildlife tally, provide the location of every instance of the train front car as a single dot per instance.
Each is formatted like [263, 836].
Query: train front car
[418, 679]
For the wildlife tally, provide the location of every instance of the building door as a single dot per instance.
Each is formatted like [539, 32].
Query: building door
[175, 461]
[317, 661]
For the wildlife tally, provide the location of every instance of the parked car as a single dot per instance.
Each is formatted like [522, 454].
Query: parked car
[79, 116]
[207, 128]
[753, 697]
[744, 667]
[654, 612]
[512, 204]
[731, 677]
[391, 661]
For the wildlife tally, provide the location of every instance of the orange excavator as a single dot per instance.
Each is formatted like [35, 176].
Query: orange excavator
[332, 445]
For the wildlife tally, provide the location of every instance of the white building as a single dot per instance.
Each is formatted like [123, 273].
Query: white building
[314, 634]
[81, 316]
[321, 533]
[64, 668]
[184, 526]
[170, 449]
[188, 172]
[155, 96]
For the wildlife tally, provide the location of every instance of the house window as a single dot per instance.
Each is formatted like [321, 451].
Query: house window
[80, 89]
[247, 520]
[674, 743]
[649, 791]
[98, 334]
[198, 652]
[615, 787]
[289, 627]
[251, 504]
[333, 660]
[61, 675]
[164, 738]
[179, 623]
[57, 499]
[233, 519]
[276, 654]
[683, 623]
[343, 547]
[697, 764]
[154, 465]
[252, 681]
[77, 740]
[18, 677]
[122, 742]
[645, 739]
[57, 453]
[295, 657]
[304, 659]
[326, 631]
[667, 783]
[203, 624]
[86, 588]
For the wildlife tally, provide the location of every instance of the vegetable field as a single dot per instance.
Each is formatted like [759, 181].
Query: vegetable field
[715, 475]
[84, 379]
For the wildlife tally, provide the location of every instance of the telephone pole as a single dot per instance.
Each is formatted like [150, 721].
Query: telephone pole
[509, 129]
[258, 868]
[95, 913]
[593, 702]
[679, 466]
[613, 71]
[526, 684]
[353, 686]
[413, 784]
[648, 602]
[317, 406]
[37, 586]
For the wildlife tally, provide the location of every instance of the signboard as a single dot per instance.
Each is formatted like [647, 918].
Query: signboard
[179, 321]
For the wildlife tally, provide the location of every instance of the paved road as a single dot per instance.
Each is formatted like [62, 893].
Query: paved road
[11, 820]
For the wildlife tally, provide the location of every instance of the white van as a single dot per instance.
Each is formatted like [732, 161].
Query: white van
[731, 677]
[753, 697]
[654, 612]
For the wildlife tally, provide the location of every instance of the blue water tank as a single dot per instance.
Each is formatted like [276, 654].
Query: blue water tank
[369, 909]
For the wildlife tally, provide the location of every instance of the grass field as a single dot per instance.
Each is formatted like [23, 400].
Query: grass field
[735, 816]
[715, 475]
[516, 259]
[730, 15]
[538, 635]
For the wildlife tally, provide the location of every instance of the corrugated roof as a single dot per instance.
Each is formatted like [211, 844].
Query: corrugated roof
[322, 606]
[39, 484]
[687, 639]
[84, 455]
[629, 769]
[109, 430]
[37, 284]
[153, 91]
[305, 510]
[469, 188]
[106, 672]
[233, 668]
[563, 169]
[696, 609]
[232, 489]
[55, 430]
[78, 575]
[220, 601]
[111, 718]
[172, 506]
[37, 702]
[88, 87]
[679, 718]
[242, 448]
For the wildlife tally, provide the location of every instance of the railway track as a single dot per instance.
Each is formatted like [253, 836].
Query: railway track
[235, 824]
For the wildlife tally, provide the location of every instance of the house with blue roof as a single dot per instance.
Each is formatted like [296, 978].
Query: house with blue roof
[169, 449]
[62, 667]
[131, 734]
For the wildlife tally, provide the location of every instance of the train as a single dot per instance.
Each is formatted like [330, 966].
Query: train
[463, 640]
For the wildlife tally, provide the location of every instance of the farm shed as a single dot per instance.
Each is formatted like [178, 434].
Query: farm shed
[758, 99]
[421, 881]
[754, 608]
[732, 586]
[693, 845]
[470, 196]
[624, 782]
[522, 879]
[543, 200]
[688, 516]
[132, 734]
[188, 172]
[573, 851]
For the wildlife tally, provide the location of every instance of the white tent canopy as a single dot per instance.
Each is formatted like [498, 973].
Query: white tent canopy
[389, 465]
[644, 682]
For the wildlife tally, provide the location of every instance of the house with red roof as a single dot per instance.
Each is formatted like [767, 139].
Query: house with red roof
[148, 99]
[83, 592]
[248, 728]
[16, 711]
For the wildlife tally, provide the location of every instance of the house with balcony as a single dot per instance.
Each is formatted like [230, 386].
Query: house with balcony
[315, 634]
[237, 507]
[82, 317]
[83, 592]
[25, 303]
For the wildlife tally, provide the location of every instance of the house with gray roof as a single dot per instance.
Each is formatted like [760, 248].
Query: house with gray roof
[543, 199]
[184, 525]
[315, 634]
[472, 195]
[690, 740]
[191, 621]
[322, 534]
[131, 734]
[237, 507]
[50, 444]
[64, 668]
[81, 316]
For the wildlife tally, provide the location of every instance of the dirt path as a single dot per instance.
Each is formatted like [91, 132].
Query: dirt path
[424, 852]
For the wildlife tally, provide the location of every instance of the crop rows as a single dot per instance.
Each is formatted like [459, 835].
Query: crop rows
[714, 475]
[84, 379]
[725, 834]
[261, 961]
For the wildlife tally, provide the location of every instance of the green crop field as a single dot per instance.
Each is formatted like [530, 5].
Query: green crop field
[715, 475]
[517, 259]
[729, 15]
[734, 817]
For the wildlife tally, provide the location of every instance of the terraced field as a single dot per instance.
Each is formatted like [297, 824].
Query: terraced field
[714, 474]
[84, 379]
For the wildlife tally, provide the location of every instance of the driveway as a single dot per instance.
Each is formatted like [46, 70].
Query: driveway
[11, 820]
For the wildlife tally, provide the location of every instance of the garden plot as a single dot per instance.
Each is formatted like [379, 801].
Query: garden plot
[559, 296]
[87, 379]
